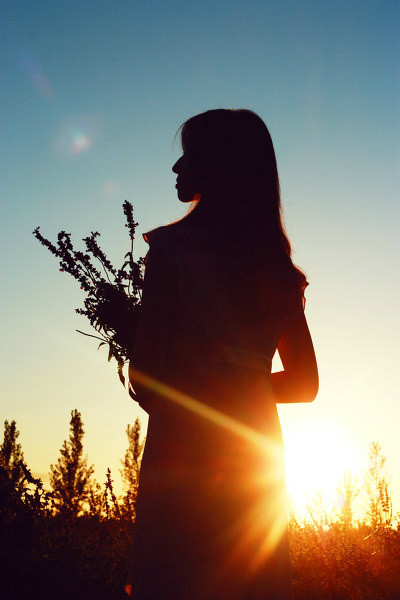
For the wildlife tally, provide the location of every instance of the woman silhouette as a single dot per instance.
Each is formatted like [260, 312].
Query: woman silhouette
[221, 294]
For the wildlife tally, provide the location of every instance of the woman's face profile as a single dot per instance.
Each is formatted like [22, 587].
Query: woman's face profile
[186, 183]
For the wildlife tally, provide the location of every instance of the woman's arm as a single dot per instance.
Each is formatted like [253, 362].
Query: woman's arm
[299, 380]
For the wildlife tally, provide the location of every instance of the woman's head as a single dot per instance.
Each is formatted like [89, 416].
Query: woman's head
[229, 142]
[226, 148]
[229, 170]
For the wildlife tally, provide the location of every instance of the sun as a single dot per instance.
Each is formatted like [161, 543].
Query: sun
[318, 454]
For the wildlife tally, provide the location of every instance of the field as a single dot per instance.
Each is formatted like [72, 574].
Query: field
[73, 541]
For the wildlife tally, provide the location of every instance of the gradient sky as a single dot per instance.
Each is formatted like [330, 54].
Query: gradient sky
[92, 94]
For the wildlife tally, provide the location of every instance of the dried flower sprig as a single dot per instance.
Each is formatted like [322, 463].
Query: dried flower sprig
[113, 296]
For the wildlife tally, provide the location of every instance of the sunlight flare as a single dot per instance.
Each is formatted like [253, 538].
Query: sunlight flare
[205, 411]
[263, 527]
[317, 457]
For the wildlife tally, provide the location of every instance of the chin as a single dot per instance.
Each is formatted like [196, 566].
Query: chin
[186, 198]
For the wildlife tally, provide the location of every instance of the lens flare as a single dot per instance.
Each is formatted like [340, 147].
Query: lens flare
[76, 136]
[79, 142]
[34, 71]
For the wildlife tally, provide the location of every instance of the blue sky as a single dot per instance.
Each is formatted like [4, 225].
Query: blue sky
[91, 97]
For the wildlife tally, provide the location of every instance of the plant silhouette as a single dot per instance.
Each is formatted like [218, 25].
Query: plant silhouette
[71, 478]
[113, 296]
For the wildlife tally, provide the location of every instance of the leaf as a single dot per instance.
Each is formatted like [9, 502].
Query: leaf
[132, 392]
[96, 337]
[101, 344]
[110, 353]
[120, 373]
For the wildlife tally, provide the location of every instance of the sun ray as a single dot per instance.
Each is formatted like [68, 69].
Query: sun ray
[205, 411]
[260, 528]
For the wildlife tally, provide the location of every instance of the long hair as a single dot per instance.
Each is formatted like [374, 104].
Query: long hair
[232, 154]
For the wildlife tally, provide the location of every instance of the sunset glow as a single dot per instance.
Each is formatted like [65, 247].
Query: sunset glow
[88, 124]
[317, 457]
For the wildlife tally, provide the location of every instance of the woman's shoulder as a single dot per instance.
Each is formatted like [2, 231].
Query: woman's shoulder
[155, 236]
[182, 234]
[163, 243]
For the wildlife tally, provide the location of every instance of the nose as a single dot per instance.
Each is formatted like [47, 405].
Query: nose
[178, 165]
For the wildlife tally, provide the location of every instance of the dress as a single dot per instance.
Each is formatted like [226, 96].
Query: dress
[211, 520]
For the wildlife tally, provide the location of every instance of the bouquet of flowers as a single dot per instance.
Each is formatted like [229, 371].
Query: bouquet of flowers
[113, 296]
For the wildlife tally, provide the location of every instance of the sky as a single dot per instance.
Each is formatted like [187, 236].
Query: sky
[92, 94]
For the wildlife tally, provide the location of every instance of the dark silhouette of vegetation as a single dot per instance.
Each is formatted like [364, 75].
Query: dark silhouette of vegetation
[131, 463]
[81, 551]
[113, 296]
[71, 478]
[12, 458]
[71, 542]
